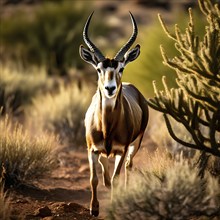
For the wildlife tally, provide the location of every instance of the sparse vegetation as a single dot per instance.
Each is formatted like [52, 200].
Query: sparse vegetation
[18, 86]
[62, 113]
[167, 190]
[22, 155]
[50, 35]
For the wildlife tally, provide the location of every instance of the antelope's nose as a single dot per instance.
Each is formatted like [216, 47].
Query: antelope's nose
[110, 89]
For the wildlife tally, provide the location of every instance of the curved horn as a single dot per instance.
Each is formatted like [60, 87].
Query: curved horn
[89, 43]
[120, 55]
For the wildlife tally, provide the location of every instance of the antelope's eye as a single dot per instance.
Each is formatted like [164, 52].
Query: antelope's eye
[98, 70]
[121, 70]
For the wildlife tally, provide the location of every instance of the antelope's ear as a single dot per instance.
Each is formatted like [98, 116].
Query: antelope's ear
[132, 54]
[88, 56]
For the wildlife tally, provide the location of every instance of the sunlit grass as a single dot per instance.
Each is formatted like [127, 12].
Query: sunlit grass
[161, 138]
[166, 189]
[62, 113]
[25, 155]
[4, 205]
[18, 85]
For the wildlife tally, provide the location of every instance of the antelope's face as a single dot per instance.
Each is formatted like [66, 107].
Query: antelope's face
[109, 70]
[109, 73]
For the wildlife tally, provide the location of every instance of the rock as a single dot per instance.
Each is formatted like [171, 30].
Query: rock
[72, 207]
[43, 212]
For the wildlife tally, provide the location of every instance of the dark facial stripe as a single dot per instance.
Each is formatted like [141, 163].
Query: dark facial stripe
[110, 63]
[110, 75]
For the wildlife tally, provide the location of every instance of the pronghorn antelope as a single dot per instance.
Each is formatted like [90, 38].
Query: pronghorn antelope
[117, 116]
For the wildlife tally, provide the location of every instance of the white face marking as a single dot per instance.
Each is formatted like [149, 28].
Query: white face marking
[120, 67]
[99, 67]
[109, 81]
[110, 84]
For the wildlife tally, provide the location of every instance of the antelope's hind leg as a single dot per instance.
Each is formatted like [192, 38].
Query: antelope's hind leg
[132, 150]
[105, 171]
[93, 161]
[119, 159]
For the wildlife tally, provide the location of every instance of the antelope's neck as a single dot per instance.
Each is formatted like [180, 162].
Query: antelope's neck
[110, 112]
[108, 105]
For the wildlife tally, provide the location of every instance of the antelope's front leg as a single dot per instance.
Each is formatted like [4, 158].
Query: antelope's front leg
[132, 150]
[93, 160]
[105, 171]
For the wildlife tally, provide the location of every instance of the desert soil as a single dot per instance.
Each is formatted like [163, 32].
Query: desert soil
[65, 193]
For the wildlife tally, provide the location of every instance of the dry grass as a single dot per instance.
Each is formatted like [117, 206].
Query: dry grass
[167, 189]
[161, 138]
[158, 133]
[23, 155]
[4, 205]
[62, 113]
[18, 85]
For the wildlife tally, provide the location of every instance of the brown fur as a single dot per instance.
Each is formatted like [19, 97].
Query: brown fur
[117, 117]
[122, 124]
[109, 132]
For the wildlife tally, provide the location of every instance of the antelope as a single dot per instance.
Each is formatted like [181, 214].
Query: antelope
[117, 116]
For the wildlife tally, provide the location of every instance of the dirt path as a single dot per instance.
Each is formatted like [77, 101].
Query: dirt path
[65, 193]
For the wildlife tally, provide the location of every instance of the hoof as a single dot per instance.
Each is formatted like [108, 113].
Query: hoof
[94, 208]
[94, 212]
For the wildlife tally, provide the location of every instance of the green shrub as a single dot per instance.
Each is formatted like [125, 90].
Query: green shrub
[62, 113]
[48, 34]
[167, 190]
[22, 155]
